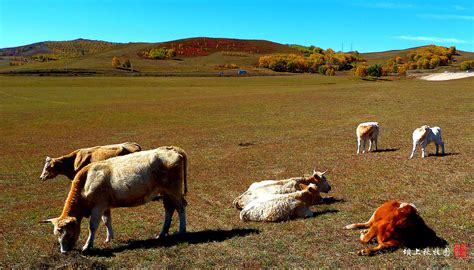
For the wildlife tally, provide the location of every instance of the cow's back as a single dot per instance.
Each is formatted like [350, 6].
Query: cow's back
[134, 179]
[367, 130]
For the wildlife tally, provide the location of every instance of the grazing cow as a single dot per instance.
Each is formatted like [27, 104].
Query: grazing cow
[123, 181]
[72, 163]
[396, 224]
[282, 187]
[368, 131]
[425, 135]
[281, 207]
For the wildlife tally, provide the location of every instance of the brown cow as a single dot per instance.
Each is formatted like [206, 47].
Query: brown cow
[395, 225]
[72, 163]
[124, 181]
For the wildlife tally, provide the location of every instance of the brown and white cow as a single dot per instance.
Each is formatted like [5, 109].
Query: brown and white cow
[282, 187]
[368, 131]
[396, 224]
[281, 207]
[71, 163]
[123, 181]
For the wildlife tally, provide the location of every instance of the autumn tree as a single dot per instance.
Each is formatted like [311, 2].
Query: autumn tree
[115, 62]
[361, 71]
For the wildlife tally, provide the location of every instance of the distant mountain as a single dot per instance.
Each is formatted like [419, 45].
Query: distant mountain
[199, 55]
[63, 49]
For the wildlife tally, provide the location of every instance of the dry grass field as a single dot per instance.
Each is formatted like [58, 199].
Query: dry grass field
[237, 131]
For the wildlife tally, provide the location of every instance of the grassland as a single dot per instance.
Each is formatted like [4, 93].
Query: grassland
[288, 126]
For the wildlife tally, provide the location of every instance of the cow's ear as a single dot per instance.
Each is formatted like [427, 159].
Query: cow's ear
[82, 159]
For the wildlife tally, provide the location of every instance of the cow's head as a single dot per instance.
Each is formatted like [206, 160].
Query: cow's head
[49, 169]
[67, 229]
[321, 181]
[315, 196]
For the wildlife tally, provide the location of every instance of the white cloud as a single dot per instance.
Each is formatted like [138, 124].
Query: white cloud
[458, 7]
[433, 39]
[446, 17]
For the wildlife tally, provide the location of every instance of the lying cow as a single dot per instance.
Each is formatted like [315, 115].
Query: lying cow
[368, 131]
[124, 181]
[282, 187]
[73, 162]
[396, 224]
[425, 135]
[281, 207]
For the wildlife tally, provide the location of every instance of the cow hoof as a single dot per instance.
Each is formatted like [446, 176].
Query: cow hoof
[86, 249]
[363, 252]
[161, 236]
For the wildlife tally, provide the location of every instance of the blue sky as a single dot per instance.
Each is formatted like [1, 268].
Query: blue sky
[367, 25]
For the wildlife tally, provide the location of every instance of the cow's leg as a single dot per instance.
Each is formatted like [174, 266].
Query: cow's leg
[363, 149]
[361, 225]
[423, 149]
[182, 219]
[380, 247]
[413, 150]
[93, 225]
[437, 147]
[358, 145]
[107, 219]
[370, 145]
[376, 144]
[442, 147]
[367, 235]
[169, 210]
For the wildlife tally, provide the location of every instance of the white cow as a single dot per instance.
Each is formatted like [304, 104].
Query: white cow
[368, 131]
[123, 181]
[281, 187]
[281, 207]
[425, 135]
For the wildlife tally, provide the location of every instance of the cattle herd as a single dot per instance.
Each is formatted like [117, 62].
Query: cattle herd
[122, 175]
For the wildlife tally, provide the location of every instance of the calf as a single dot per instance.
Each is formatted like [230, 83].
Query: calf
[425, 135]
[73, 162]
[281, 207]
[281, 187]
[368, 131]
[396, 224]
[124, 181]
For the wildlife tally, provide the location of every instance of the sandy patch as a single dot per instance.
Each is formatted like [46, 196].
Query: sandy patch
[447, 76]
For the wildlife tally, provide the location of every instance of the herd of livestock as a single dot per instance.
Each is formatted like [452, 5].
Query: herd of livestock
[122, 175]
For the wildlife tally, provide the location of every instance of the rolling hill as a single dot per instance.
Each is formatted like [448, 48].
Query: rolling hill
[194, 56]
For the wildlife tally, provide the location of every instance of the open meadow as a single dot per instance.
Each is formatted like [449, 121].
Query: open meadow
[237, 131]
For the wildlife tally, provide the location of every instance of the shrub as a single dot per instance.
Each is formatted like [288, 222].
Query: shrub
[402, 71]
[127, 64]
[375, 70]
[361, 71]
[331, 71]
[322, 69]
[466, 65]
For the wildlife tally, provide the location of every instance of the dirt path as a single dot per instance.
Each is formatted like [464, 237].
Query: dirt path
[447, 76]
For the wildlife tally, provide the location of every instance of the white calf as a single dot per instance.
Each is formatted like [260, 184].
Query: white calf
[367, 131]
[425, 135]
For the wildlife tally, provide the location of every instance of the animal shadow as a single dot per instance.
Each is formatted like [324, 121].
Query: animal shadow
[331, 200]
[445, 154]
[326, 211]
[172, 240]
[386, 150]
